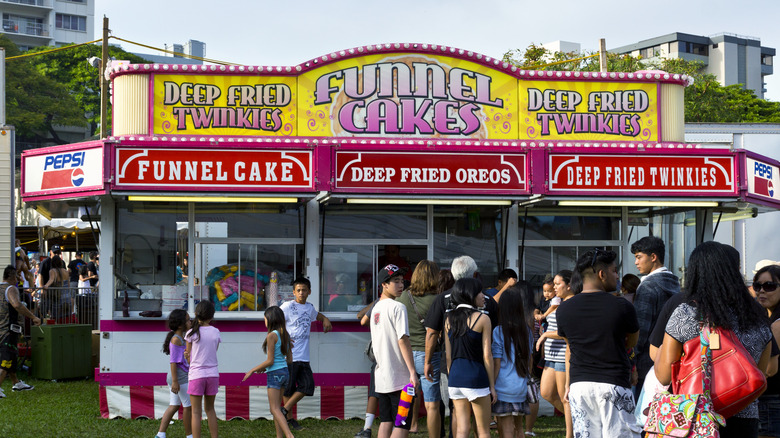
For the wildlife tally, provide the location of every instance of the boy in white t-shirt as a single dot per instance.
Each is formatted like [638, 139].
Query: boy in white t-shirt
[298, 316]
[390, 340]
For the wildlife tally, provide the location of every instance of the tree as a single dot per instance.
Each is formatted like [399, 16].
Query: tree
[705, 100]
[71, 69]
[54, 89]
[36, 104]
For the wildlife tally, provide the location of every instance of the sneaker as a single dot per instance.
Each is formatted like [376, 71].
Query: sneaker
[294, 424]
[365, 433]
[21, 386]
[2, 394]
[530, 434]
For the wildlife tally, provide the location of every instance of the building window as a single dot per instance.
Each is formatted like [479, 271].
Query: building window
[693, 48]
[766, 59]
[71, 22]
[650, 52]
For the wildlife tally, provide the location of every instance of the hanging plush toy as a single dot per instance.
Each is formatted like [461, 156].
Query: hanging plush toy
[404, 405]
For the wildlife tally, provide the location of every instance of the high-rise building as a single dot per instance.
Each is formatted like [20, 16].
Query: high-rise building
[733, 59]
[33, 23]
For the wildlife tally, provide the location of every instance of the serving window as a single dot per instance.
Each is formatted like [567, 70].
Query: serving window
[243, 257]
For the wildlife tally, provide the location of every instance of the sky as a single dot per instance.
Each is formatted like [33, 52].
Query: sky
[290, 32]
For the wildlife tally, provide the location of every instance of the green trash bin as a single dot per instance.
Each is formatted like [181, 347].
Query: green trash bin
[62, 351]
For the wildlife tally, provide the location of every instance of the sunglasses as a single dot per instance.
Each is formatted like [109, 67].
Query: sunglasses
[596, 253]
[769, 286]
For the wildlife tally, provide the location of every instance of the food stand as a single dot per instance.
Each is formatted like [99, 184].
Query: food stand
[225, 182]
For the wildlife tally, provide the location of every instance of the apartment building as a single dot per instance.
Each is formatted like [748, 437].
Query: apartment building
[733, 59]
[33, 23]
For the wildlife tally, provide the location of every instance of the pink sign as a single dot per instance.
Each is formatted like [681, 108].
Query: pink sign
[431, 171]
[213, 168]
[642, 174]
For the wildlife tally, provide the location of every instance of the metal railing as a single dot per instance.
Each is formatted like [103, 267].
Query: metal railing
[65, 305]
[29, 2]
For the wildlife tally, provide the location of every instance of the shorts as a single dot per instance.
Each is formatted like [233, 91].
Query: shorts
[769, 415]
[301, 379]
[388, 409]
[505, 409]
[371, 388]
[602, 409]
[557, 366]
[431, 390]
[205, 386]
[8, 355]
[470, 393]
[182, 398]
[278, 379]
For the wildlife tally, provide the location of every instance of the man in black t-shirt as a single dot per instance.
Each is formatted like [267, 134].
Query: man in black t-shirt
[73, 270]
[43, 271]
[92, 266]
[599, 328]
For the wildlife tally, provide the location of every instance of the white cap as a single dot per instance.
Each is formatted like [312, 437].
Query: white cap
[764, 263]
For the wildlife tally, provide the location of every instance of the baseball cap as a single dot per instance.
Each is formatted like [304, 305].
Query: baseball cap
[56, 249]
[764, 263]
[388, 272]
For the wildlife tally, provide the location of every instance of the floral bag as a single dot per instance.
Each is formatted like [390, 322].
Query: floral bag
[686, 415]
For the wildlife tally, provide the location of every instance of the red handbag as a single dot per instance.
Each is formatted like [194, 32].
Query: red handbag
[736, 380]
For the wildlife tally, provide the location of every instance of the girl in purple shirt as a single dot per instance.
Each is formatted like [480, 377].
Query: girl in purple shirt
[202, 343]
[178, 323]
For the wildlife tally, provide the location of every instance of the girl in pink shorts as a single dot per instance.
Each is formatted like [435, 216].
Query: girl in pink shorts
[202, 344]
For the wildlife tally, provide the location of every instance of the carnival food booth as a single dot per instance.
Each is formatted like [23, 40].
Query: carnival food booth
[225, 182]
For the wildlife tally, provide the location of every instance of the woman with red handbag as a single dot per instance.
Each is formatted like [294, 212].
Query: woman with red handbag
[765, 285]
[716, 296]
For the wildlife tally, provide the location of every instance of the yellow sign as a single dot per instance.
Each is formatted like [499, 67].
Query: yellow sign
[224, 105]
[415, 94]
[588, 111]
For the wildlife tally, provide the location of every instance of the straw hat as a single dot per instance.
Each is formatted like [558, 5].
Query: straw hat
[763, 263]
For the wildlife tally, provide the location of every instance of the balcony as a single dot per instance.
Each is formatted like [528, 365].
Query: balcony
[25, 28]
[42, 3]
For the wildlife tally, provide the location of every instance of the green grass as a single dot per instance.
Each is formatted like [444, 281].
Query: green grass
[70, 409]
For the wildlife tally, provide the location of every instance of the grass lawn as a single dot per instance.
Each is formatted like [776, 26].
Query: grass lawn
[70, 409]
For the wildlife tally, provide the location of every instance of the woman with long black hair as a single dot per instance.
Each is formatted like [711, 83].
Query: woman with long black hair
[715, 293]
[766, 285]
[512, 342]
[469, 358]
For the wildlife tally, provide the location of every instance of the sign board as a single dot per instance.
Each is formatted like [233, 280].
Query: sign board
[68, 170]
[763, 179]
[647, 175]
[415, 94]
[187, 169]
[414, 90]
[440, 172]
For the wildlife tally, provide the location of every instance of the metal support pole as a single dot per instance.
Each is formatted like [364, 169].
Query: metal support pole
[104, 81]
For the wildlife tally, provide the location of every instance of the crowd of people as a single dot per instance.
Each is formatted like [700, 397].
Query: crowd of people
[595, 346]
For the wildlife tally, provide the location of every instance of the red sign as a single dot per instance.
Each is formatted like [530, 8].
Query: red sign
[642, 175]
[433, 171]
[191, 168]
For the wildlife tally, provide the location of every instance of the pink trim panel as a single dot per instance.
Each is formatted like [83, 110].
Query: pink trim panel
[250, 326]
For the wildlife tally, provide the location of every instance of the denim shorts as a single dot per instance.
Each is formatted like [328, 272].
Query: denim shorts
[278, 379]
[431, 390]
[769, 415]
[557, 366]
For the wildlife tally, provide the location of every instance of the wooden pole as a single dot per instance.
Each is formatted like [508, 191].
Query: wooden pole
[104, 81]
[603, 55]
